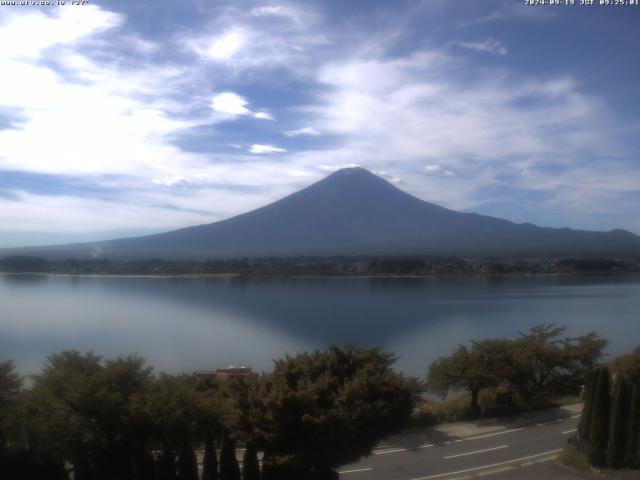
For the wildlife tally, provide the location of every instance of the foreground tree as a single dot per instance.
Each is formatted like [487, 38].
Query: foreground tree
[10, 383]
[173, 410]
[229, 468]
[539, 365]
[187, 463]
[210, 461]
[599, 431]
[80, 407]
[484, 365]
[329, 408]
[585, 420]
[632, 459]
[546, 364]
[250, 465]
[167, 469]
[619, 421]
[629, 366]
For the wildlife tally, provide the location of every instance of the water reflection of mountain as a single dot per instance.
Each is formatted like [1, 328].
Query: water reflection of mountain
[367, 311]
[181, 324]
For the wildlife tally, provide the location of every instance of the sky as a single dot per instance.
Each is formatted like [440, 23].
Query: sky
[126, 118]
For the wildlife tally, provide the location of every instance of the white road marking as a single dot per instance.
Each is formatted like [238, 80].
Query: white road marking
[382, 452]
[547, 459]
[503, 432]
[477, 451]
[395, 450]
[356, 470]
[385, 448]
[497, 470]
[569, 431]
[439, 475]
[552, 422]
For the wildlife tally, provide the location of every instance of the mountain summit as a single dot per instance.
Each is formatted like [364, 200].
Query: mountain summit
[353, 211]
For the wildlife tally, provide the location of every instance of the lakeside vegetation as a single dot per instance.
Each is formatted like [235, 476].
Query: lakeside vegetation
[541, 368]
[329, 265]
[103, 419]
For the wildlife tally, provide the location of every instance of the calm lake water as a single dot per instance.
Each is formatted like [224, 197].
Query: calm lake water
[183, 324]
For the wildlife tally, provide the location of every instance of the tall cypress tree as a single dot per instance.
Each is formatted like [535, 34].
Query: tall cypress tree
[229, 468]
[210, 461]
[250, 465]
[268, 472]
[167, 465]
[636, 461]
[633, 430]
[587, 409]
[617, 447]
[187, 463]
[599, 431]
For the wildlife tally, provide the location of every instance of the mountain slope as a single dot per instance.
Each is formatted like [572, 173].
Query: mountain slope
[353, 211]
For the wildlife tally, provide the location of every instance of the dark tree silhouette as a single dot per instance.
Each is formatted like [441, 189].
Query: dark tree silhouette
[618, 424]
[229, 468]
[599, 432]
[587, 409]
[210, 461]
[633, 430]
[250, 465]
[187, 463]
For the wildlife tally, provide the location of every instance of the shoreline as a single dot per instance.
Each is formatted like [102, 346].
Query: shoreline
[328, 276]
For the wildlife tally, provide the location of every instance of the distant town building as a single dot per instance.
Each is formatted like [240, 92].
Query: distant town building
[230, 371]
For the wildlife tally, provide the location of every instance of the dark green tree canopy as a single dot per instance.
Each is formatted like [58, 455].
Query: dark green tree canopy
[629, 366]
[332, 407]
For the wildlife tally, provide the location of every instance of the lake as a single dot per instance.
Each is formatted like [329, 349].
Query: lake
[185, 324]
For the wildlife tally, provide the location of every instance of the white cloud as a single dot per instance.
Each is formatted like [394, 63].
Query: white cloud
[227, 45]
[435, 169]
[90, 119]
[488, 46]
[69, 213]
[261, 149]
[334, 168]
[388, 176]
[229, 102]
[271, 10]
[281, 36]
[310, 131]
[263, 116]
[509, 11]
[28, 35]
[400, 114]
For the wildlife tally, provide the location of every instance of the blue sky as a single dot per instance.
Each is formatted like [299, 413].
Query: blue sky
[123, 118]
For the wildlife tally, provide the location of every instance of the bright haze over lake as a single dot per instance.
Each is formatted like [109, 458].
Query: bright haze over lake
[182, 324]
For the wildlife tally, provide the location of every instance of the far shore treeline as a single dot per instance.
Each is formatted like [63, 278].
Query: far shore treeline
[98, 418]
[324, 265]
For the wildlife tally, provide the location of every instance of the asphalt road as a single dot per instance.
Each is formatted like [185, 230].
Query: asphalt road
[519, 446]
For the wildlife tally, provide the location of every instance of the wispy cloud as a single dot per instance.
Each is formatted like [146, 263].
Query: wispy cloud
[435, 169]
[304, 131]
[488, 46]
[262, 149]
